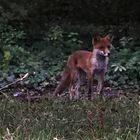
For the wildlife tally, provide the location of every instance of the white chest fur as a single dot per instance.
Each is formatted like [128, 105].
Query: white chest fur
[99, 64]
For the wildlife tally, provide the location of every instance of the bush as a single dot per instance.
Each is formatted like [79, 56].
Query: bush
[43, 60]
[125, 66]
[12, 50]
[46, 57]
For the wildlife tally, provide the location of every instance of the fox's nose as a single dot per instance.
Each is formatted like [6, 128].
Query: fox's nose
[108, 53]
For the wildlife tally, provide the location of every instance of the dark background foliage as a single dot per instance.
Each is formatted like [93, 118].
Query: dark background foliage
[91, 11]
[37, 36]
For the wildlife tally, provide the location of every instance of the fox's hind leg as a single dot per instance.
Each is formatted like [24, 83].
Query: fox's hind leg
[77, 85]
[80, 80]
[100, 83]
[81, 77]
[72, 87]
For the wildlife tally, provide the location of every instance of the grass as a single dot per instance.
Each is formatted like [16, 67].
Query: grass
[100, 119]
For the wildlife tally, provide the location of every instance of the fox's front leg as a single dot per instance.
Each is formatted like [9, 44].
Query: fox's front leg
[90, 81]
[100, 83]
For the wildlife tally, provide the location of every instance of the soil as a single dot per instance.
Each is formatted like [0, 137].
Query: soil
[22, 93]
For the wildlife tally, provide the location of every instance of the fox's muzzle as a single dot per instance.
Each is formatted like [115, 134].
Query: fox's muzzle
[104, 53]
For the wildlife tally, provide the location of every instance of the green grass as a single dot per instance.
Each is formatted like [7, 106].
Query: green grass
[100, 119]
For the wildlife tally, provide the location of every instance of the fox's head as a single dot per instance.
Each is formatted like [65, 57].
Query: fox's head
[103, 44]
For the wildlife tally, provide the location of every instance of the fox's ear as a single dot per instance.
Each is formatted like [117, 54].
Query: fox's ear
[96, 39]
[109, 37]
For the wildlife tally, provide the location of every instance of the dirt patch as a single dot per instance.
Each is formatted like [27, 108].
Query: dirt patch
[22, 93]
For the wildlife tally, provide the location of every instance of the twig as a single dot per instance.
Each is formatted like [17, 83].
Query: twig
[17, 80]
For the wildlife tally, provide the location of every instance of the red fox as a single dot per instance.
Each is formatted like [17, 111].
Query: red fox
[92, 63]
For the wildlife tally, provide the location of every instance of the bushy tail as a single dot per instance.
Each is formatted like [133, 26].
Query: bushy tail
[64, 82]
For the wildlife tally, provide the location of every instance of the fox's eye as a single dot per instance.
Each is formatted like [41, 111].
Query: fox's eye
[109, 46]
[101, 47]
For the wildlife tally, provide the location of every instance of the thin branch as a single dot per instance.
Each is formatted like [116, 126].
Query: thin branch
[17, 80]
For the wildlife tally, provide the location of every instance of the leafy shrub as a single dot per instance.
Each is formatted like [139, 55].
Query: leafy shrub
[43, 60]
[12, 51]
[66, 41]
[54, 36]
[126, 68]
